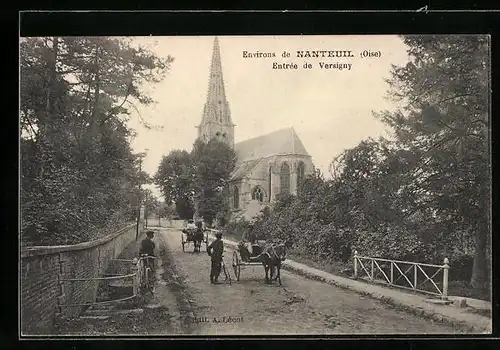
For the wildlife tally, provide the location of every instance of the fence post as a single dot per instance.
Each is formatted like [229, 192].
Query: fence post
[135, 279]
[392, 272]
[415, 276]
[372, 270]
[446, 267]
[61, 290]
[355, 264]
[99, 260]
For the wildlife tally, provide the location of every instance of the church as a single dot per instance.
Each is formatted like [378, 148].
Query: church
[267, 165]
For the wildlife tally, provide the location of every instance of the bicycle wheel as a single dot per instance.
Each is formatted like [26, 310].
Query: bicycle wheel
[142, 272]
[227, 276]
[152, 281]
[149, 280]
[139, 276]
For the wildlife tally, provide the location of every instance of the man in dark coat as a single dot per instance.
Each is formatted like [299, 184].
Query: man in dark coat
[148, 247]
[216, 256]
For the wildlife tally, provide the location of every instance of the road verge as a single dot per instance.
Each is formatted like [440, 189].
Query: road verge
[461, 319]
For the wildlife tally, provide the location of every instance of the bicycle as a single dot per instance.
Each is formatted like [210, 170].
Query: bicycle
[226, 271]
[146, 274]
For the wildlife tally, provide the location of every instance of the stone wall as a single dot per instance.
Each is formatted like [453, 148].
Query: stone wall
[42, 269]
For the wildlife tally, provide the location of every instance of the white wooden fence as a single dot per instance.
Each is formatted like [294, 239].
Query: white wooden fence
[393, 271]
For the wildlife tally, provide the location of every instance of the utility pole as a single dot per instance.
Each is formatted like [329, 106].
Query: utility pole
[139, 200]
[141, 155]
[146, 212]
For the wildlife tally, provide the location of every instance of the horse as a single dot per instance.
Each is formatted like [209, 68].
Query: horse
[195, 236]
[271, 258]
[198, 238]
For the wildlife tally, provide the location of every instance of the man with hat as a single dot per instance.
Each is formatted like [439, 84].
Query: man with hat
[148, 247]
[216, 256]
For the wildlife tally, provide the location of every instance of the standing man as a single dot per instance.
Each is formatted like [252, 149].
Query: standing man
[218, 248]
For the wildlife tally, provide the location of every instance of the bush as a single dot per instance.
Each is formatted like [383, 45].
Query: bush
[460, 268]
[237, 230]
[324, 224]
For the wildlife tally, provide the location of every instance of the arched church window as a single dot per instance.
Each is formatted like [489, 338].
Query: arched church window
[236, 198]
[300, 173]
[269, 180]
[285, 179]
[220, 116]
[217, 134]
[224, 135]
[258, 194]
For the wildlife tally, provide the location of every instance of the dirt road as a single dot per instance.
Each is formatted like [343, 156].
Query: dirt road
[300, 306]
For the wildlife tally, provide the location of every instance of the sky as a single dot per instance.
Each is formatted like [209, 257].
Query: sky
[330, 109]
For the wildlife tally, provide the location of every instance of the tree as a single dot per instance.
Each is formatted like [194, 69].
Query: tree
[166, 211]
[175, 177]
[78, 174]
[213, 163]
[442, 125]
[184, 208]
[151, 203]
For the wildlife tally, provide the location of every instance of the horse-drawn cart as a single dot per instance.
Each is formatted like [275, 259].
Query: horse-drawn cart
[270, 256]
[195, 237]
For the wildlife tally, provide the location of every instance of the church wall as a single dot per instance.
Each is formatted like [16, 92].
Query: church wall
[293, 162]
[250, 207]
[259, 177]
[260, 174]
[242, 189]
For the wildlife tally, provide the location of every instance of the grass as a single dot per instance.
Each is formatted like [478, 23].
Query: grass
[463, 289]
[337, 268]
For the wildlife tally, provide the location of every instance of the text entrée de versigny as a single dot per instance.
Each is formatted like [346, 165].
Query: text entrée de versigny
[306, 54]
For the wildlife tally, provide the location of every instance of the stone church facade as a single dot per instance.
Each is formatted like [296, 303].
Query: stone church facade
[267, 165]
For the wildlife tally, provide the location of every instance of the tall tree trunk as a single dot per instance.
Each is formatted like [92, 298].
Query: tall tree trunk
[52, 77]
[489, 257]
[97, 88]
[50, 105]
[487, 141]
[479, 274]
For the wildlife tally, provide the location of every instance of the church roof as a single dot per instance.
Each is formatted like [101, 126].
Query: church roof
[244, 168]
[251, 152]
[284, 141]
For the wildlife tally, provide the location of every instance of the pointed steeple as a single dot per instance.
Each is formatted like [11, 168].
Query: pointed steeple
[216, 121]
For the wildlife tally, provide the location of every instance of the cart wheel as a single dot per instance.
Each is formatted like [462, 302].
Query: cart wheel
[227, 274]
[236, 265]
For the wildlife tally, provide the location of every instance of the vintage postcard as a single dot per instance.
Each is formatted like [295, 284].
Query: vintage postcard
[255, 185]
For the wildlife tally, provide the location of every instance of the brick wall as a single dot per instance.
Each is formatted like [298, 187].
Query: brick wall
[42, 267]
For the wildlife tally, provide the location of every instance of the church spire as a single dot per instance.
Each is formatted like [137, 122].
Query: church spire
[216, 121]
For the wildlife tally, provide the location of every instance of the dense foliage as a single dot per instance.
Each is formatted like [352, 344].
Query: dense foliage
[423, 194]
[78, 173]
[213, 163]
[443, 128]
[198, 179]
[151, 204]
[175, 178]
